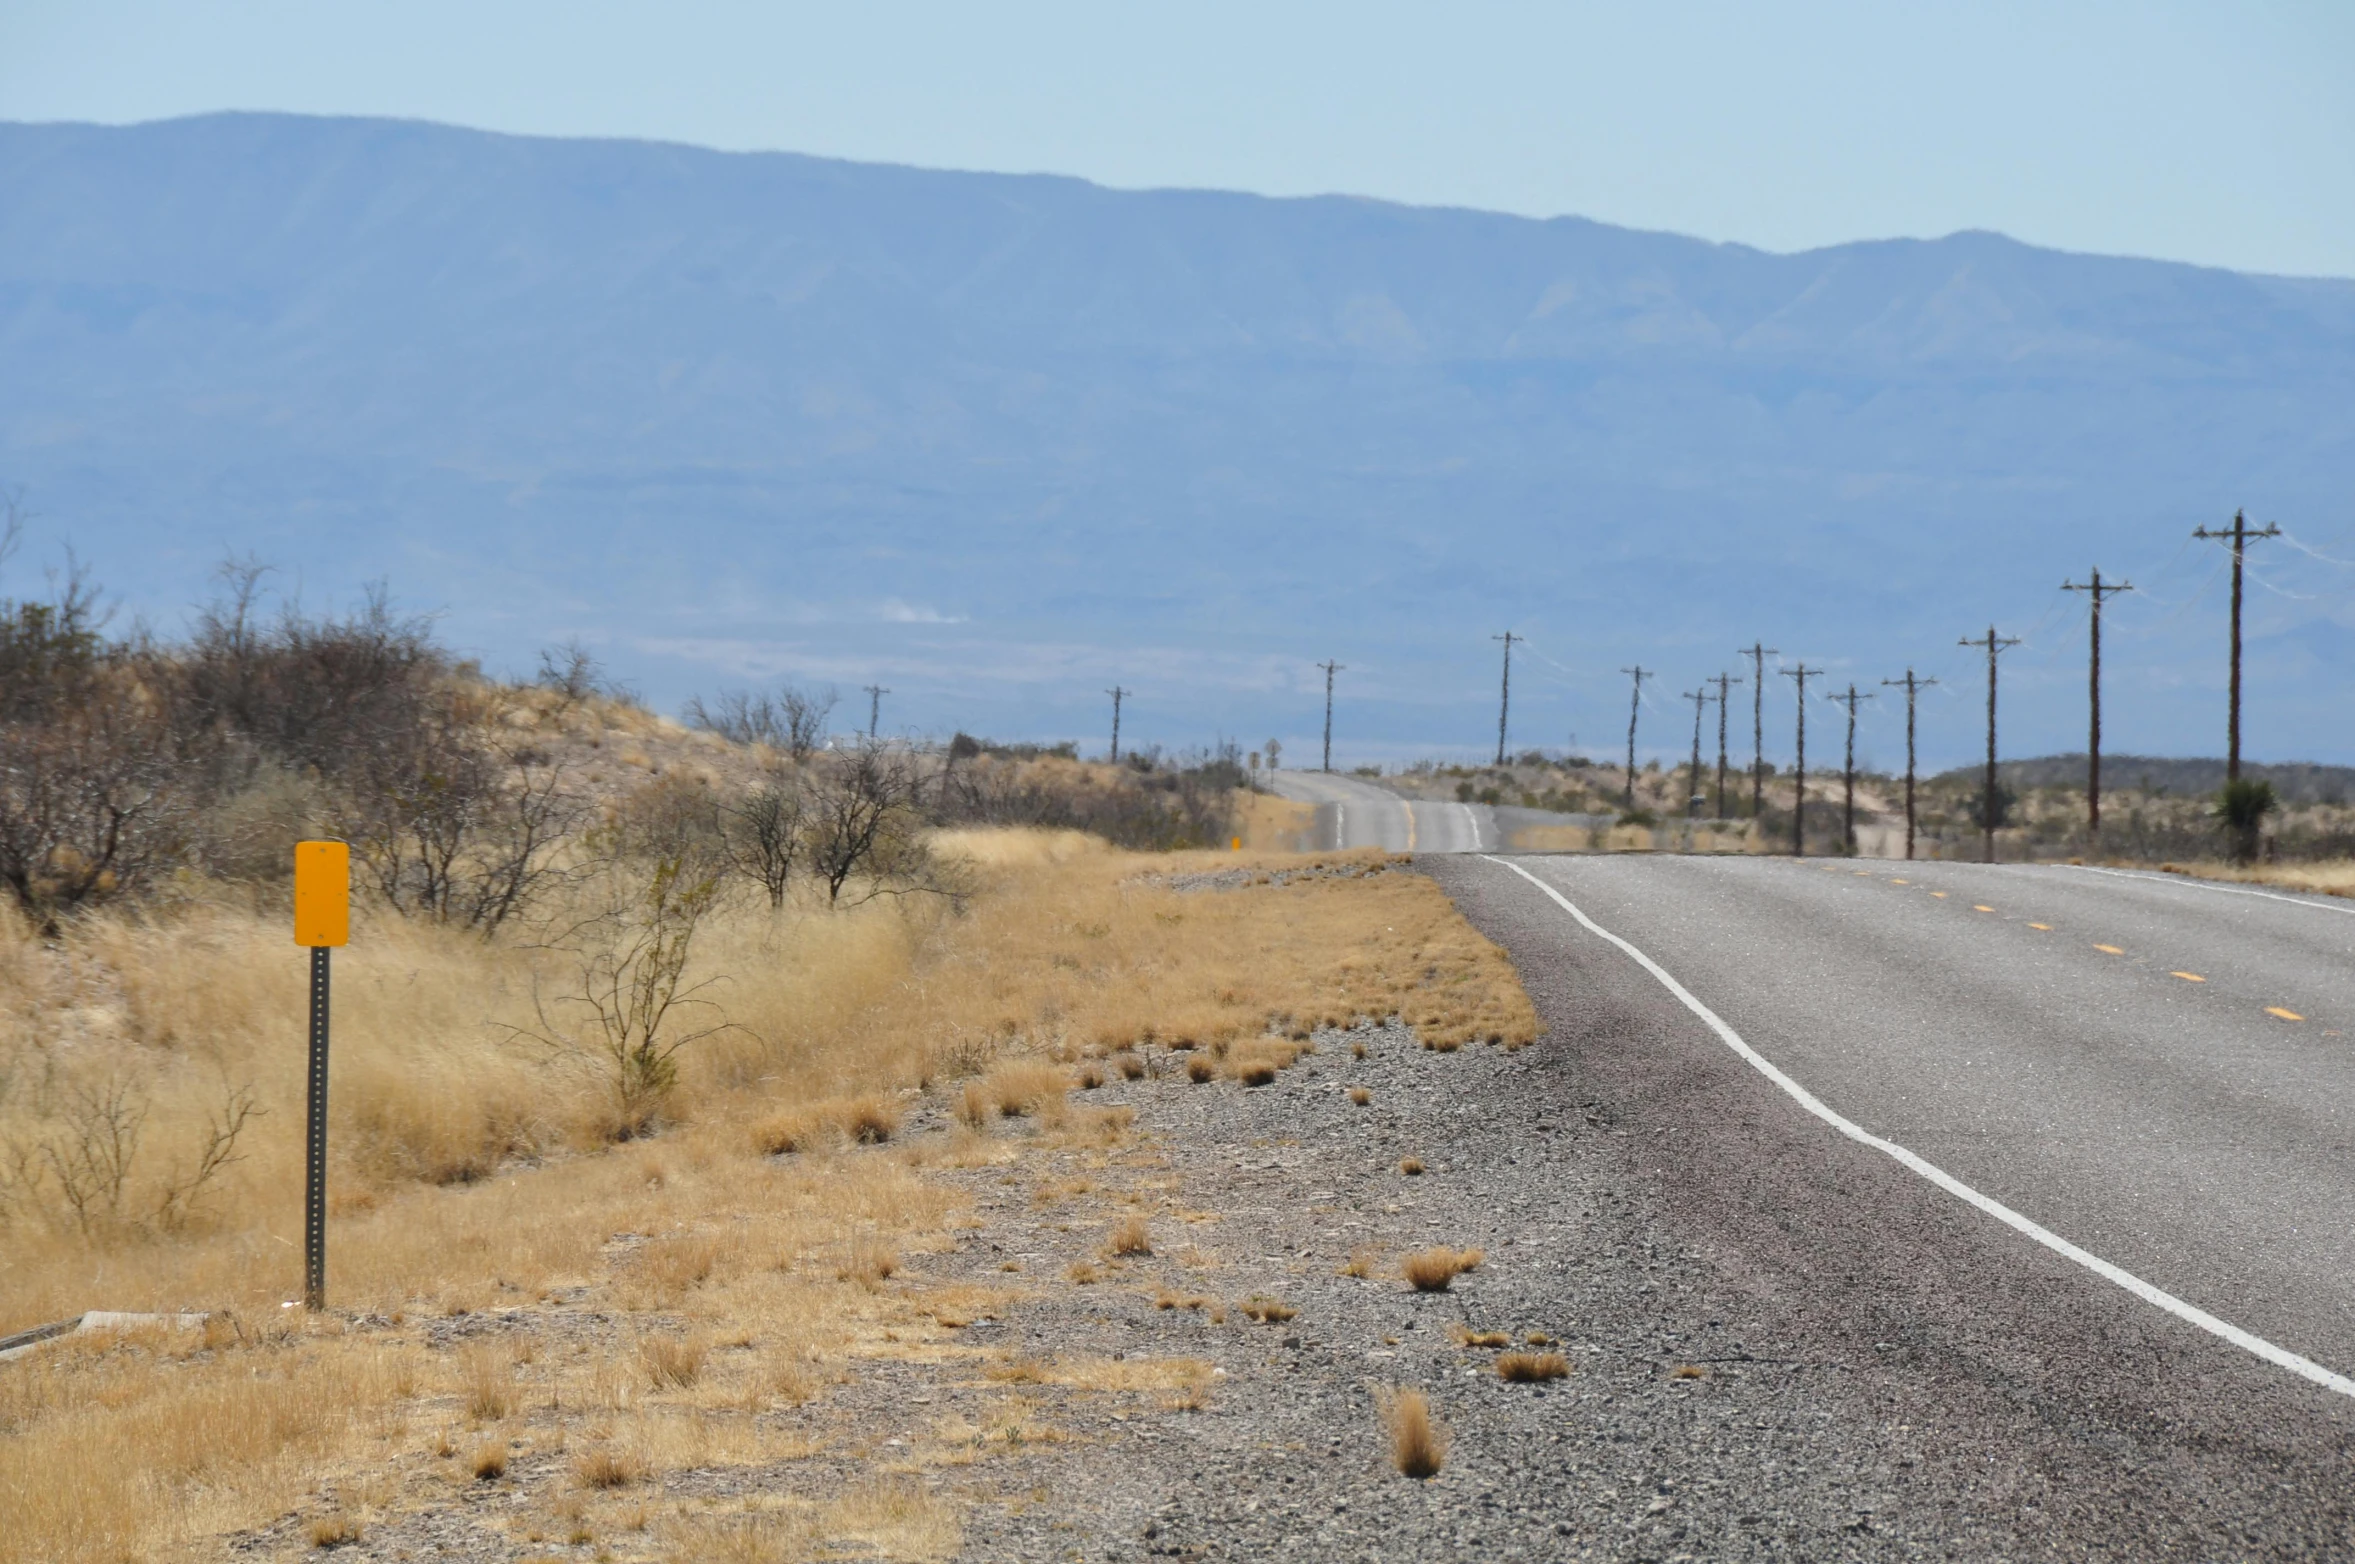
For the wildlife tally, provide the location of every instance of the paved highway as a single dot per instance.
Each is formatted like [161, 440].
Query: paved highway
[1354, 813]
[2057, 1164]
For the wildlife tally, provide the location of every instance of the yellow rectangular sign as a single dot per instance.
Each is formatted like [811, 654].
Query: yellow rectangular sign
[322, 893]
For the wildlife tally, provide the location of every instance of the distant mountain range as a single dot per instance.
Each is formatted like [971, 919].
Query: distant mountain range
[999, 443]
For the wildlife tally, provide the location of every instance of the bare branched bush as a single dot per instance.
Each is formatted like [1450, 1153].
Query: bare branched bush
[1157, 808]
[763, 836]
[627, 1010]
[792, 720]
[861, 829]
[450, 828]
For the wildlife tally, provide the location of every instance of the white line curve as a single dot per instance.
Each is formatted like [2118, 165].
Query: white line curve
[2191, 1314]
[2189, 884]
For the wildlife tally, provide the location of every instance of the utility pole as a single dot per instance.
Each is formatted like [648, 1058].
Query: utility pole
[1848, 777]
[1802, 673]
[1994, 644]
[1330, 670]
[1635, 704]
[1692, 804]
[1504, 704]
[1116, 692]
[2239, 537]
[2097, 589]
[1913, 688]
[1724, 682]
[875, 694]
[1758, 652]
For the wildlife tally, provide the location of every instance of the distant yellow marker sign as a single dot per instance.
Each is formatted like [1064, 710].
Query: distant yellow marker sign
[322, 894]
[2286, 1015]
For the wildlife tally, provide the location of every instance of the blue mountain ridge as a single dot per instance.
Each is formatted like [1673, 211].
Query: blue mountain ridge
[1000, 441]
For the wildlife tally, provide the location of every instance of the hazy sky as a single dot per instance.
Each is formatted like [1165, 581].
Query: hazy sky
[2221, 133]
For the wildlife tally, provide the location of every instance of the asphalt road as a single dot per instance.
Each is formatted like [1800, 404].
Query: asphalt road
[1351, 813]
[2155, 1072]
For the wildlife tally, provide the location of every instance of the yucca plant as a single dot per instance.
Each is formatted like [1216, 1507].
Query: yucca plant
[2241, 809]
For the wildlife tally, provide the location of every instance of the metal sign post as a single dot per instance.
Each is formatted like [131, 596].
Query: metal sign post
[322, 921]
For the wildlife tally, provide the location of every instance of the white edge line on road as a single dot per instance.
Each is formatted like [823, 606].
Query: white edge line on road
[1473, 821]
[2304, 1368]
[2190, 884]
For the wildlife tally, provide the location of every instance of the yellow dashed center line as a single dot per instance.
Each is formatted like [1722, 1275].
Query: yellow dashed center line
[2286, 1015]
[1978, 907]
[1901, 882]
[2044, 926]
[1941, 895]
[2109, 950]
[2188, 977]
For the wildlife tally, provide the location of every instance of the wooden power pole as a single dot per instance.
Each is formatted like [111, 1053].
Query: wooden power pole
[1913, 689]
[2240, 537]
[1693, 795]
[1848, 775]
[1724, 683]
[1994, 644]
[1117, 693]
[1802, 673]
[1635, 704]
[1331, 668]
[875, 694]
[1758, 652]
[2096, 589]
[1504, 703]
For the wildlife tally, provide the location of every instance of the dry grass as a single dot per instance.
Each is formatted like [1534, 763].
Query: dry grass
[1688, 1371]
[1465, 1337]
[2329, 877]
[1412, 1167]
[1201, 1069]
[334, 1531]
[1266, 1310]
[672, 1362]
[489, 1462]
[1418, 1441]
[1362, 1263]
[476, 1177]
[1130, 1236]
[1360, 1096]
[1530, 1368]
[1432, 1270]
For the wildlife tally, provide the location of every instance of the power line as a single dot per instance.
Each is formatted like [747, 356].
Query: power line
[1758, 652]
[1913, 688]
[1504, 704]
[1987, 801]
[1116, 692]
[1331, 668]
[2095, 589]
[1802, 673]
[875, 694]
[2239, 537]
[1635, 704]
[1724, 682]
[1848, 776]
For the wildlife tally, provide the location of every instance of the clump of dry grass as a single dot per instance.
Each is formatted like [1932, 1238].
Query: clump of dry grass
[1418, 1441]
[869, 1262]
[1357, 1050]
[489, 1461]
[609, 1466]
[1362, 1262]
[335, 1531]
[1530, 1368]
[487, 1382]
[1266, 1310]
[1130, 1236]
[870, 1121]
[1688, 1371]
[1091, 1076]
[1165, 1299]
[1412, 1167]
[1432, 1270]
[1201, 1069]
[672, 1362]
[1360, 1096]
[1084, 1273]
[1130, 1065]
[1018, 1088]
[1466, 1337]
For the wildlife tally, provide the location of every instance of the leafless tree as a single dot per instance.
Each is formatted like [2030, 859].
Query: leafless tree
[764, 836]
[793, 720]
[861, 822]
[88, 805]
[805, 712]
